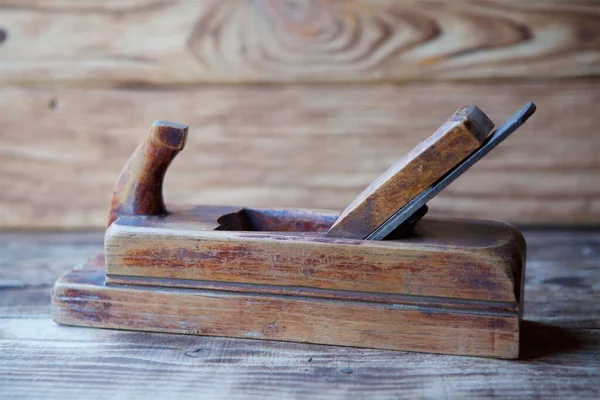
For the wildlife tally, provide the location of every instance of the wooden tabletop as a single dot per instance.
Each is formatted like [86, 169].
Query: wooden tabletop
[560, 341]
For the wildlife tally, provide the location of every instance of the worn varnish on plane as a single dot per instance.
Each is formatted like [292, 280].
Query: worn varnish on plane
[435, 285]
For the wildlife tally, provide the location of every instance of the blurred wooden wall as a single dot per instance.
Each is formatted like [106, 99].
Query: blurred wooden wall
[295, 103]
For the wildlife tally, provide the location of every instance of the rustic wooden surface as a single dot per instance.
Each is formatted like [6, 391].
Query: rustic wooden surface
[414, 172]
[561, 336]
[296, 146]
[181, 42]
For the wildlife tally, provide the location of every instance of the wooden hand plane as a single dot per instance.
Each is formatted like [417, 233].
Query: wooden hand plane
[378, 275]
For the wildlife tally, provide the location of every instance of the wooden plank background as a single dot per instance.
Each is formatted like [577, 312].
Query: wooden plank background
[295, 104]
[187, 42]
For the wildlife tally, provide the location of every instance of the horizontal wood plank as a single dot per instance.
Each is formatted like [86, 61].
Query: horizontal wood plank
[562, 275]
[87, 363]
[90, 363]
[158, 42]
[297, 146]
[30, 263]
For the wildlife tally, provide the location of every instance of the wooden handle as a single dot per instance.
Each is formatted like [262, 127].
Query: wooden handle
[138, 190]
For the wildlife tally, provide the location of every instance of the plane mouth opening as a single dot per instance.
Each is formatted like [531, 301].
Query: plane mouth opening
[265, 220]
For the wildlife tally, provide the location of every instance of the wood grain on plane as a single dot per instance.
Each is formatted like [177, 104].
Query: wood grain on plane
[460, 135]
